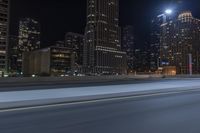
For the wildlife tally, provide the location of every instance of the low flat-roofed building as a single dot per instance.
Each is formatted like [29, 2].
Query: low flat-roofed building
[51, 61]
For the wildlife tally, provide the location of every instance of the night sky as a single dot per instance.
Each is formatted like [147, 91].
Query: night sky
[60, 16]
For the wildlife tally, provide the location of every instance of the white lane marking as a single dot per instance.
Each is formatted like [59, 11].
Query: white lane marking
[95, 101]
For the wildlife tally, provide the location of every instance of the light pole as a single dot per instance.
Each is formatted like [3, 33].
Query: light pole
[190, 64]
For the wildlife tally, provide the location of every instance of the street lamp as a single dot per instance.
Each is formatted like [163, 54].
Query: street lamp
[168, 11]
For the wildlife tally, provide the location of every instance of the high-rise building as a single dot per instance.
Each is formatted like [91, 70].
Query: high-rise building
[166, 42]
[29, 36]
[187, 40]
[102, 49]
[155, 43]
[142, 59]
[128, 46]
[59, 44]
[182, 44]
[13, 54]
[4, 29]
[76, 42]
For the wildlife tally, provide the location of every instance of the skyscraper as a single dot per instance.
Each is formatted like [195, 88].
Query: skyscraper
[142, 58]
[155, 43]
[102, 49]
[13, 54]
[128, 45]
[182, 44]
[29, 34]
[4, 29]
[29, 37]
[166, 36]
[187, 40]
[75, 41]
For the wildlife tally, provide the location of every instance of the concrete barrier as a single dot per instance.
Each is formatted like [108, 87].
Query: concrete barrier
[30, 81]
[12, 81]
[184, 76]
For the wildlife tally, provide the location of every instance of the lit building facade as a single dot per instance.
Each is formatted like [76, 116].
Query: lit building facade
[155, 37]
[182, 44]
[4, 31]
[102, 48]
[51, 61]
[142, 59]
[13, 54]
[29, 37]
[76, 42]
[60, 44]
[167, 41]
[128, 46]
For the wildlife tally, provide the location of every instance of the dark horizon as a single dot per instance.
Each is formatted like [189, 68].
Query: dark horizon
[57, 18]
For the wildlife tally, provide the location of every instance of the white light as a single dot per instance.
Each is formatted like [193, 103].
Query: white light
[168, 11]
[5, 75]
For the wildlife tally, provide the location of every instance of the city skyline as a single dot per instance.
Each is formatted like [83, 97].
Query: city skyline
[105, 45]
[68, 16]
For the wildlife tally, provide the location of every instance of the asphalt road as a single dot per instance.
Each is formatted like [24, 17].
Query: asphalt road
[177, 113]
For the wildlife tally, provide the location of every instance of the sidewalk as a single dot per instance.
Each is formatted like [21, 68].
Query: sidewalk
[53, 96]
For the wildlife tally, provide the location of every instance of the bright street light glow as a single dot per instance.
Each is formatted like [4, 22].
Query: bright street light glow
[168, 11]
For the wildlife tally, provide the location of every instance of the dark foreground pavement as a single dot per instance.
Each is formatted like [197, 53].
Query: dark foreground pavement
[177, 113]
